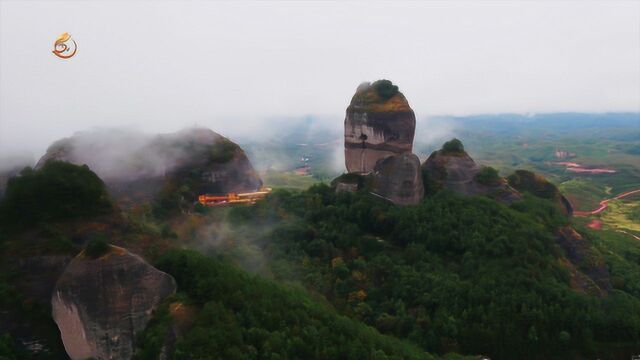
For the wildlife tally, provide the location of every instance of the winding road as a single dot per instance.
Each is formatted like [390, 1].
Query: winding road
[604, 204]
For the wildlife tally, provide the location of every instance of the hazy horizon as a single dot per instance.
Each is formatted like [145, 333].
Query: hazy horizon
[234, 67]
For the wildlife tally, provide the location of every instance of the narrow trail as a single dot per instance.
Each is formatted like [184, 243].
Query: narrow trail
[604, 204]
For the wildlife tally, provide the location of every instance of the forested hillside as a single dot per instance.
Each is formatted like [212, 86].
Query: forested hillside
[469, 275]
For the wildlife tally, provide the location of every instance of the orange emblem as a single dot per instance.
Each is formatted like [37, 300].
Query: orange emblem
[64, 47]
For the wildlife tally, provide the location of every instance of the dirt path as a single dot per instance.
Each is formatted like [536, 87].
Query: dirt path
[604, 204]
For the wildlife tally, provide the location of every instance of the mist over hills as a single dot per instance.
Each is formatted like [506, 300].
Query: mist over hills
[294, 138]
[386, 253]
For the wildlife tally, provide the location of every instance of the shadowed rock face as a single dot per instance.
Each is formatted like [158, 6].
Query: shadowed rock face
[399, 179]
[592, 276]
[101, 304]
[136, 166]
[375, 128]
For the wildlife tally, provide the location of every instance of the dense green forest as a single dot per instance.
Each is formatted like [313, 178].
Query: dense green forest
[240, 316]
[351, 276]
[468, 275]
[234, 315]
[59, 191]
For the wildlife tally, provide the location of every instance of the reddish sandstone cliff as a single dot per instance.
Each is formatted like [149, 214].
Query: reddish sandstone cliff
[101, 304]
[379, 123]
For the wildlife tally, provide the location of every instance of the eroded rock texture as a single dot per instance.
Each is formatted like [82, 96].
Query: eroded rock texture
[457, 171]
[453, 171]
[101, 304]
[399, 179]
[587, 268]
[377, 124]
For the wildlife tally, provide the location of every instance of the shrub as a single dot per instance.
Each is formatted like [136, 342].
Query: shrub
[453, 146]
[385, 89]
[487, 176]
[96, 248]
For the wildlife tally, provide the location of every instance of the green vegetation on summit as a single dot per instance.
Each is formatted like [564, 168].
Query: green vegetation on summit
[453, 147]
[385, 89]
[58, 191]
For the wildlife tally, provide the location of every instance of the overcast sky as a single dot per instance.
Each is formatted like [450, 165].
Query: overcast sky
[161, 65]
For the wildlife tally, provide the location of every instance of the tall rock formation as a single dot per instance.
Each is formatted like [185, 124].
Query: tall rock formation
[100, 304]
[398, 178]
[137, 166]
[379, 123]
[378, 139]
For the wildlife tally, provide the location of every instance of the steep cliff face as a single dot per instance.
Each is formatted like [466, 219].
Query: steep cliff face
[379, 122]
[136, 166]
[399, 179]
[100, 304]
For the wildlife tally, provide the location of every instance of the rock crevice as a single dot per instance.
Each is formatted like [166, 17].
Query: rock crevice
[378, 139]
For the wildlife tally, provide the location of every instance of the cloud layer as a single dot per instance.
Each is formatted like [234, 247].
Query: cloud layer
[231, 66]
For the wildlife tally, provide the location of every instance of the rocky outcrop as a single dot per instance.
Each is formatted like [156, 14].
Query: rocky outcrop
[136, 166]
[101, 304]
[398, 178]
[588, 271]
[455, 170]
[378, 123]
[378, 139]
[527, 181]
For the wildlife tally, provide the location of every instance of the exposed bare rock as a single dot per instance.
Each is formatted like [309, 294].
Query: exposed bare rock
[457, 171]
[452, 171]
[585, 260]
[350, 182]
[101, 304]
[378, 123]
[346, 187]
[136, 166]
[580, 282]
[399, 179]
